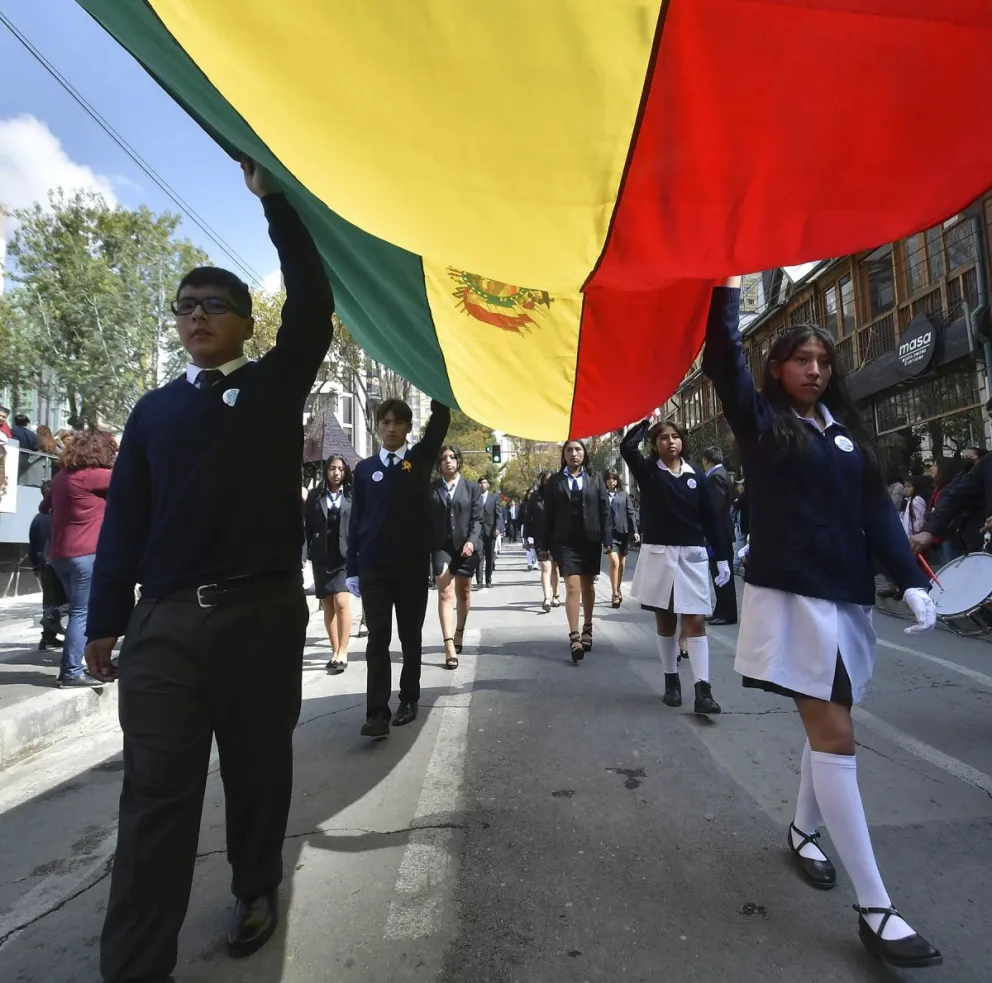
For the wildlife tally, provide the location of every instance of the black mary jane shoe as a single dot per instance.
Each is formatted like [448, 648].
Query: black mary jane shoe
[406, 714]
[575, 647]
[335, 668]
[819, 873]
[253, 925]
[911, 952]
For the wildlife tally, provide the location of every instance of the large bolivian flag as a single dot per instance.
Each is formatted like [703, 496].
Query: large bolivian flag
[523, 205]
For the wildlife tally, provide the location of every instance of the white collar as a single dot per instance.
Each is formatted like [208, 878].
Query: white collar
[399, 454]
[454, 483]
[334, 496]
[828, 418]
[686, 468]
[192, 371]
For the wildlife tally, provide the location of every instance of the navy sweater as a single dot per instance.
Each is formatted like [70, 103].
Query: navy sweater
[815, 518]
[674, 511]
[391, 523]
[180, 512]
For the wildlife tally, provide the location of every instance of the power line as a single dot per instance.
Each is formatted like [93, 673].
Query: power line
[184, 206]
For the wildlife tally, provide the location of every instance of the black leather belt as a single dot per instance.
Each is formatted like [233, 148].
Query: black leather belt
[236, 589]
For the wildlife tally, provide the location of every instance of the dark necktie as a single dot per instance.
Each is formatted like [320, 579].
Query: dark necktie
[208, 378]
[391, 458]
[447, 493]
[575, 482]
[613, 508]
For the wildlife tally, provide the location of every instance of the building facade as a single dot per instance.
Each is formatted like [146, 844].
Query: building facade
[911, 324]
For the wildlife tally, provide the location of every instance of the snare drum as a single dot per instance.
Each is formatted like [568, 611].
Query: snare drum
[964, 597]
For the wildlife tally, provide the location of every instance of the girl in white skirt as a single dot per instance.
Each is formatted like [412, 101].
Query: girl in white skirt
[819, 509]
[678, 516]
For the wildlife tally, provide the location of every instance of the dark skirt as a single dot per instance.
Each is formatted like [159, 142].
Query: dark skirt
[583, 560]
[621, 543]
[460, 566]
[330, 582]
[840, 692]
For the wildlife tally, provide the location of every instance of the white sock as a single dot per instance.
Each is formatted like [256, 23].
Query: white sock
[699, 657]
[835, 782]
[808, 817]
[669, 652]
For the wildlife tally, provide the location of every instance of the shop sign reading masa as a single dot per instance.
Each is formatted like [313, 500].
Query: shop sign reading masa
[917, 347]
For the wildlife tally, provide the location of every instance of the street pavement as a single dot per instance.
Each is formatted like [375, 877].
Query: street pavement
[544, 823]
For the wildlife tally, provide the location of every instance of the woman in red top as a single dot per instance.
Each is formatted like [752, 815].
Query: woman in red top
[77, 501]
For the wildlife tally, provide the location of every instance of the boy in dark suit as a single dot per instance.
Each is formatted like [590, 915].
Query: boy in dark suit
[389, 544]
[491, 516]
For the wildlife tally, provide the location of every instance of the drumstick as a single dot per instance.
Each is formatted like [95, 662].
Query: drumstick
[928, 571]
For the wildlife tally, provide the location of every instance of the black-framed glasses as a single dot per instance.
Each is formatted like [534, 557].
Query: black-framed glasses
[210, 305]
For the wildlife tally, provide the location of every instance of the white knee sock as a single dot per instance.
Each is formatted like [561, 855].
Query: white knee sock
[835, 783]
[808, 817]
[668, 650]
[699, 657]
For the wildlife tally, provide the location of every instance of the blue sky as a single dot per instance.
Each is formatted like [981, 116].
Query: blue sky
[136, 107]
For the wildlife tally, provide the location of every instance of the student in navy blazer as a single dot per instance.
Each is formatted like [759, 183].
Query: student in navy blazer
[819, 510]
[456, 517]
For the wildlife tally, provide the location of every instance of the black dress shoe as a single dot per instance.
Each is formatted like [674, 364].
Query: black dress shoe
[820, 873]
[704, 700]
[719, 622]
[406, 714]
[673, 690]
[375, 727]
[912, 952]
[253, 925]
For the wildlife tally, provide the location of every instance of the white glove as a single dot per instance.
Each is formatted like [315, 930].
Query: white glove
[722, 573]
[352, 584]
[742, 554]
[923, 610]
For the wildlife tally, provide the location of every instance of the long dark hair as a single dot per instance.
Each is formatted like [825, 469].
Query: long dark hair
[542, 482]
[454, 450]
[789, 432]
[652, 438]
[349, 478]
[613, 473]
[585, 455]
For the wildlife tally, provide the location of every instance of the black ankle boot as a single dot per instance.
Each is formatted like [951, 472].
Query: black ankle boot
[673, 690]
[704, 699]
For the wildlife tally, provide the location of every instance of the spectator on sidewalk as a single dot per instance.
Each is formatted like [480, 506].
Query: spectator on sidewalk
[21, 432]
[52, 593]
[77, 501]
[4, 425]
[46, 441]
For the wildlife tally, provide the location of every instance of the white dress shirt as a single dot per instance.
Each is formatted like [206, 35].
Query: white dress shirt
[192, 371]
[578, 479]
[399, 454]
[334, 499]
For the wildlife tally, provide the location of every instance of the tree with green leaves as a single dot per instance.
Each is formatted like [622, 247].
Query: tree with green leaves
[95, 287]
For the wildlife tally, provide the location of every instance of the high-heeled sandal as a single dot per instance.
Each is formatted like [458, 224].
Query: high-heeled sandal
[575, 647]
[546, 606]
[911, 952]
[620, 596]
[460, 632]
[616, 600]
[587, 636]
[555, 602]
[450, 661]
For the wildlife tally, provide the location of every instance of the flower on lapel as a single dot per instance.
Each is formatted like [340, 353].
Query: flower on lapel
[407, 466]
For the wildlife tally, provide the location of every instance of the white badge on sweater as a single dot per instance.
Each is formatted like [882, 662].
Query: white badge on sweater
[843, 443]
[691, 482]
[230, 396]
[377, 476]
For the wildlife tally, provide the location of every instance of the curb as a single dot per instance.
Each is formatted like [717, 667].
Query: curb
[38, 723]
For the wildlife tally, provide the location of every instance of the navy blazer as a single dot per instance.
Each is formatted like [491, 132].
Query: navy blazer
[460, 524]
[625, 522]
[815, 518]
[315, 525]
[558, 512]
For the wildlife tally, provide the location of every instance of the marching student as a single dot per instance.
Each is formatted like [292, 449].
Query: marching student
[389, 547]
[327, 515]
[491, 518]
[536, 521]
[624, 524]
[672, 579]
[819, 510]
[577, 530]
[214, 647]
[456, 514]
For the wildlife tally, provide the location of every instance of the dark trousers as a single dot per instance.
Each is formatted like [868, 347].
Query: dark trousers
[403, 587]
[487, 560]
[52, 599]
[726, 596]
[188, 674]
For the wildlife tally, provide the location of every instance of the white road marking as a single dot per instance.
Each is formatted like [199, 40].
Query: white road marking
[978, 677]
[954, 767]
[428, 865]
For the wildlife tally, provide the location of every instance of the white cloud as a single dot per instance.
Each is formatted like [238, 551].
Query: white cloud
[33, 162]
[272, 282]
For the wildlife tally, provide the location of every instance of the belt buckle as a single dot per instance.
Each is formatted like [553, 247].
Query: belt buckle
[199, 595]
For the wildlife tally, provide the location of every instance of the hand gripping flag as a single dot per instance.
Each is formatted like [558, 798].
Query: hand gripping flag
[523, 205]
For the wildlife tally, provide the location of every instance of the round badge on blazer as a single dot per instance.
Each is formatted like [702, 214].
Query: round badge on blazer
[377, 476]
[691, 482]
[230, 396]
[844, 443]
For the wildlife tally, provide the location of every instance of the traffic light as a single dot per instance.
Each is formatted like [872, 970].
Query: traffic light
[496, 453]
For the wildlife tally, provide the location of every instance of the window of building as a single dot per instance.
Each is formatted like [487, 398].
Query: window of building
[935, 253]
[848, 316]
[916, 264]
[936, 397]
[961, 251]
[347, 416]
[830, 310]
[877, 267]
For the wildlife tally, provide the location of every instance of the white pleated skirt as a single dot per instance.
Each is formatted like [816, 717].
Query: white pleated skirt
[679, 572]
